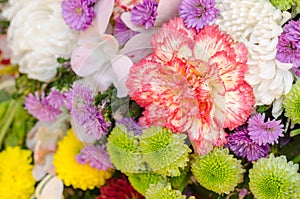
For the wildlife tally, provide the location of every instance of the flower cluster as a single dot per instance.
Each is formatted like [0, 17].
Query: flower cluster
[153, 99]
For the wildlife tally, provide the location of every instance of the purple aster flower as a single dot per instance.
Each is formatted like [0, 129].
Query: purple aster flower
[96, 156]
[197, 13]
[80, 102]
[144, 13]
[122, 32]
[131, 125]
[287, 52]
[40, 108]
[78, 14]
[241, 145]
[292, 30]
[262, 132]
[56, 98]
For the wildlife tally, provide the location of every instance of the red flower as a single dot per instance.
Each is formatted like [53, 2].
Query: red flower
[119, 188]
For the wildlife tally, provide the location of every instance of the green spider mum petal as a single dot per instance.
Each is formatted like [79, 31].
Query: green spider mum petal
[160, 191]
[274, 178]
[164, 151]
[218, 171]
[142, 181]
[291, 103]
[283, 4]
[123, 149]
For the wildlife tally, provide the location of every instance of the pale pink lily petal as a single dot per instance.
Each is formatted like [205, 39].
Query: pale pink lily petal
[121, 66]
[89, 58]
[51, 187]
[139, 46]
[88, 36]
[103, 9]
[167, 9]
[102, 79]
[126, 18]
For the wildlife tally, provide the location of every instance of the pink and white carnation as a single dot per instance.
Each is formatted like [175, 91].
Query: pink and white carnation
[194, 83]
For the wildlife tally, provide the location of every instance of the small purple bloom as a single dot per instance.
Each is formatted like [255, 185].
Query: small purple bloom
[78, 14]
[197, 13]
[287, 52]
[144, 13]
[56, 98]
[292, 30]
[241, 145]
[262, 132]
[40, 107]
[80, 102]
[131, 125]
[122, 32]
[96, 156]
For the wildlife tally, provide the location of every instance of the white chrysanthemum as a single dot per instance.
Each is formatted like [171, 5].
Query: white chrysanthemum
[257, 23]
[38, 35]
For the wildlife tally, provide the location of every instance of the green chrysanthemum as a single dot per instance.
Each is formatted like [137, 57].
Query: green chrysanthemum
[275, 178]
[291, 103]
[283, 4]
[160, 191]
[164, 151]
[218, 171]
[124, 151]
[142, 181]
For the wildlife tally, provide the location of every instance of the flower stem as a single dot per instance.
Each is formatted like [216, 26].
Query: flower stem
[7, 120]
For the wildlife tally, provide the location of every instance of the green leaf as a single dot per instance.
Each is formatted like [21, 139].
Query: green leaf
[295, 132]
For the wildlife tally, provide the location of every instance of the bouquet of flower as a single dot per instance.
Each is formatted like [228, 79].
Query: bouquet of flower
[133, 99]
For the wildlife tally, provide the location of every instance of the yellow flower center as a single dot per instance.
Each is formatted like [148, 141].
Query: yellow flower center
[78, 10]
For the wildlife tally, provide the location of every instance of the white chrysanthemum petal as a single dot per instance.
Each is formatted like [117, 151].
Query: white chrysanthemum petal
[33, 36]
[257, 24]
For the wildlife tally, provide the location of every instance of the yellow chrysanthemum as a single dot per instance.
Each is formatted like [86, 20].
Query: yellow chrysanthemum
[70, 171]
[16, 180]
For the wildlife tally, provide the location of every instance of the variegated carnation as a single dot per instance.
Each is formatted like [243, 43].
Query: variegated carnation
[33, 36]
[257, 23]
[193, 82]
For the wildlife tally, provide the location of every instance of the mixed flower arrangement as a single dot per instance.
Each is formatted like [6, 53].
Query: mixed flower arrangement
[119, 99]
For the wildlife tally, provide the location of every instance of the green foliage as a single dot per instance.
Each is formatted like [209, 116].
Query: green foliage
[15, 123]
[65, 75]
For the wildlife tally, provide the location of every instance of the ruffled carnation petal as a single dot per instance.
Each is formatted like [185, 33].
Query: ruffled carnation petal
[239, 105]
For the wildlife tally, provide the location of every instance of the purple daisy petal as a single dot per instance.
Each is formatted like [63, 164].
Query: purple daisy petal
[131, 125]
[78, 14]
[144, 13]
[40, 107]
[292, 30]
[56, 98]
[80, 102]
[288, 52]
[241, 145]
[262, 132]
[96, 156]
[197, 13]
